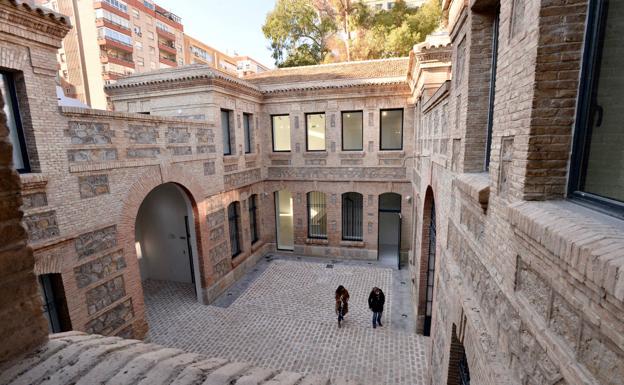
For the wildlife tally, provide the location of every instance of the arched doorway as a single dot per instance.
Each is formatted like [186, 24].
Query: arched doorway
[427, 264]
[389, 234]
[165, 239]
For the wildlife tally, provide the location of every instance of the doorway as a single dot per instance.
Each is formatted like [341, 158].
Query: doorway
[165, 238]
[284, 220]
[54, 303]
[389, 238]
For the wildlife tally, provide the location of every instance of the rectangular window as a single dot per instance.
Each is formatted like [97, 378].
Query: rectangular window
[492, 92]
[315, 132]
[597, 174]
[150, 34]
[225, 131]
[317, 215]
[352, 204]
[135, 13]
[253, 218]
[284, 220]
[352, 134]
[14, 122]
[247, 126]
[54, 304]
[281, 132]
[391, 127]
[233, 217]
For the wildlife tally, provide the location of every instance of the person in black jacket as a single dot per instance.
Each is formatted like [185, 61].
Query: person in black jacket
[376, 301]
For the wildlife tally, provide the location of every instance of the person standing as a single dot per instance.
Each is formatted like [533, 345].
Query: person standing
[376, 301]
[342, 303]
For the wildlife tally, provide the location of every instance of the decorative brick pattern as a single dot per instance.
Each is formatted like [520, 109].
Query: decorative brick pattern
[96, 241]
[111, 320]
[105, 294]
[89, 133]
[92, 155]
[42, 226]
[34, 200]
[93, 185]
[180, 150]
[333, 173]
[99, 268]
[152, 152]
[142, 134]
[209, 168]
[241, 178]
[178, 135]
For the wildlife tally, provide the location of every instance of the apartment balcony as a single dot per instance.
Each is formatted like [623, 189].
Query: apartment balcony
[112, 43]
[112, 25]
[110, 75]
[166, 34]
[167, 48]
[110, 8]
[104, 59]
[169, 62]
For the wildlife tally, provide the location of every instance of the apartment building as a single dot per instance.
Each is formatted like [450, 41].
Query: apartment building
[388, 4]
[111, 39]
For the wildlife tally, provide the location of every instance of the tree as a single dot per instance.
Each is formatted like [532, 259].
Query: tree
[298, 33]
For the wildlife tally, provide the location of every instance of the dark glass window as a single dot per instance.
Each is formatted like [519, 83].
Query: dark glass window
[247, 125]
[352, 203]
[597, 167]
[14, 122]
[317, 215]
[431, 259]
[492, 92]
[352, 134]
[54, 303]
[253, 218]
[226, 132]
[233, 221]
[391, 127]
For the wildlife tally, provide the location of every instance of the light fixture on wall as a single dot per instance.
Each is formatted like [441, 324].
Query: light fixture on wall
[408, 199]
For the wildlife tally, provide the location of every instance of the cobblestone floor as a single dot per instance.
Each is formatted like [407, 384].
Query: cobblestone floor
[282, 317]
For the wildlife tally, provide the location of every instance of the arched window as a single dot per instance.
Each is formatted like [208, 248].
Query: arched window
[352, 216]
[233, 221]
[317, 215]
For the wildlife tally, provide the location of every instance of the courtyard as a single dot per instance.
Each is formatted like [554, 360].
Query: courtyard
[281, 316]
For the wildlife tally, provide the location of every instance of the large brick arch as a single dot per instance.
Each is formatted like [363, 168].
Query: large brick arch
[126, 225]
[428, 206]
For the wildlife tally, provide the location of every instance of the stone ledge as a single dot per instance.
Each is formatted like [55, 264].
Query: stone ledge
[283, 155]
[317, 241]
[351, 154]
[315, 154]
[88, 112]
[476, 186]
[390, 154]
[76, 357]
[588, 242]
[230, 159]
[33, 181]
[359, 244]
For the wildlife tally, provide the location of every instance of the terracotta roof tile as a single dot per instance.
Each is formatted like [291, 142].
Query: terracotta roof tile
[32, 7]
[395, 68]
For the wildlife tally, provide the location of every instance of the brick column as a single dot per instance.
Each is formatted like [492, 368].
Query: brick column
[22, 325]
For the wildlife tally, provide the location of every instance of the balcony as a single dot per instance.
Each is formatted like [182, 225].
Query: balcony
[166, 34]
[113, 43]
[169, 62]
[166, 48]
[110, 8]
[104, 22]
[104, 59]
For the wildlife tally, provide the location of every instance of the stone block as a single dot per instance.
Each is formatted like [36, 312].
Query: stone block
[95, 241]
[105, 294]
[93, 185]
[42, 225]
[99, 268]
[89, 133]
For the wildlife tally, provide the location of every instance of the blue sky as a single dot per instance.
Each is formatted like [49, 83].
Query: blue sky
[228, 25]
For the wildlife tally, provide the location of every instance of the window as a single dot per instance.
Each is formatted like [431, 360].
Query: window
[492, 92]
[352, 135]
[233, 217]
[150, 34]
[253, 218]
[140, 61]
[14, 122]
[247, 125]
[596, 174]
[54, 303]
[101, 13]
[225, 131]
[120, 5]
[352, 216]
[281, 132]
[315, 132]
[105, 32]
[317, 215]
[135, 13]
[391, 123]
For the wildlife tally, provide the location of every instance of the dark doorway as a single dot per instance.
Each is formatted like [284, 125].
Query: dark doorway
[431, 257]
[54, 303]
[389, 233]
[458, 373]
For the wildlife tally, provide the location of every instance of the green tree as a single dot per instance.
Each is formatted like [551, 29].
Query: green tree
[298, 32]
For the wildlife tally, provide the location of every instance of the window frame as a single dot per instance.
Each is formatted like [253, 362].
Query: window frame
[235, 220]
[592, 55]
[21, 136]
[252, 208]
[381, 128]
[229, 130]
[305, 116]
[342, 218]
[342, 135]
[247, 132]
[492, 90]
[310, 236]
[273, 132]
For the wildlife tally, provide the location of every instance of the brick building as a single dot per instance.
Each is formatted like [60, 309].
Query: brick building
[477, 151]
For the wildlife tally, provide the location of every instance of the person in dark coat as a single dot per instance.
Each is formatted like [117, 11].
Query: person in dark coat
[376, 301]
[342, 303]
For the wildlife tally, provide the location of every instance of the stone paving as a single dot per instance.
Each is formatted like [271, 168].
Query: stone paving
[282, 317]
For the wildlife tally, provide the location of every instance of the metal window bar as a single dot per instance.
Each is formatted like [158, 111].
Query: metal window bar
[317, 215]
[430, 270]
[253, 222]
[352, 216]
[233, 224]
